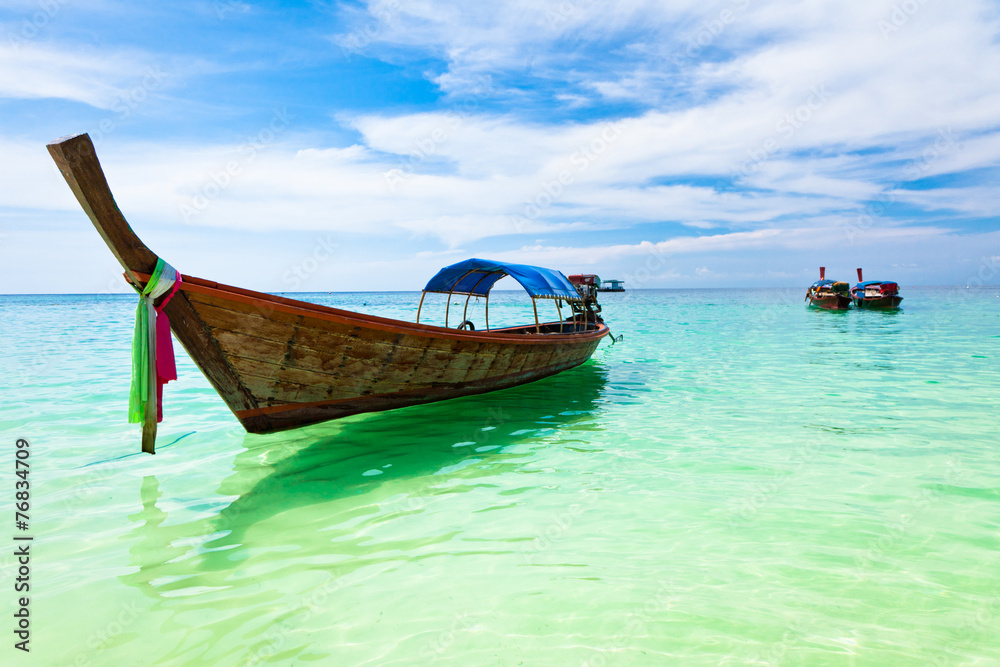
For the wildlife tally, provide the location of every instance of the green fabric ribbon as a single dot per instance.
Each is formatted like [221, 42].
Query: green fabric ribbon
[143, 388]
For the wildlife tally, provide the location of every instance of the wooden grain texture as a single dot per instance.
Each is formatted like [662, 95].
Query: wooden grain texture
[290, 360]
[295, 415]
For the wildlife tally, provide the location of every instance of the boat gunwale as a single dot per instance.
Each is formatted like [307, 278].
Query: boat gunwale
[327, 313]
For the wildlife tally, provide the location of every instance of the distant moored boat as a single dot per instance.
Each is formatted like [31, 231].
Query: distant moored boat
[828, 294]
[612, 286]
[875, 293]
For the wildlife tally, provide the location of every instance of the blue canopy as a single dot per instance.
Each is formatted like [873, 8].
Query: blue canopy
[832, 284]
[477, 277]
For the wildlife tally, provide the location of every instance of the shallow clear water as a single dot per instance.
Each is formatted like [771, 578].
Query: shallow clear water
[742, 480]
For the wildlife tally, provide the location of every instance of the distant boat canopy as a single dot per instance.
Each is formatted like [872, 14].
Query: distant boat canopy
[879, 287]
[835, 286]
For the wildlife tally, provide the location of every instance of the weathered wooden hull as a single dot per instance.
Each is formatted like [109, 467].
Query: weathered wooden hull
[301, 363]
[888, 301]
[279, 363]
[830, 302]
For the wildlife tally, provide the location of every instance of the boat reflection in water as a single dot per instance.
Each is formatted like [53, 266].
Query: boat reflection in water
[330, 480]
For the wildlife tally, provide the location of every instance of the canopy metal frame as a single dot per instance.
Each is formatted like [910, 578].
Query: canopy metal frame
[472, 292]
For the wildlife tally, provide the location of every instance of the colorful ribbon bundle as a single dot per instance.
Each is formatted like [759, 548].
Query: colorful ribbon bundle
[152, 348]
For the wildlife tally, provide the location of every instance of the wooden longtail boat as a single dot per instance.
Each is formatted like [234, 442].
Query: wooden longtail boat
[828, 294]
[279, 363]
[875, 294]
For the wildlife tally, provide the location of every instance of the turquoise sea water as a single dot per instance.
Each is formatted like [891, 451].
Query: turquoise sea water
[741, 480]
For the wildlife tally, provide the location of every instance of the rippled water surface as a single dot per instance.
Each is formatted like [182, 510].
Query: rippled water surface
[741, 480]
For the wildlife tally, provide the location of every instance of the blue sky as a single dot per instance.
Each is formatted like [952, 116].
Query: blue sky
[342, 146]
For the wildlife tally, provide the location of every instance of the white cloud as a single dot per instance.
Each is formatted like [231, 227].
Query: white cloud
[973, 201]
[489, 177]
[771, 238]
[32, 179]
[934, 72]
[805, 112]
[477, 39]
[34, 71]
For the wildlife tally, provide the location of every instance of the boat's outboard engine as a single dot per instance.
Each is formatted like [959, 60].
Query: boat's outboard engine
[587, 285]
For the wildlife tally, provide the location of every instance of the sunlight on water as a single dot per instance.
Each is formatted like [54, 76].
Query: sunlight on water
[742, 480]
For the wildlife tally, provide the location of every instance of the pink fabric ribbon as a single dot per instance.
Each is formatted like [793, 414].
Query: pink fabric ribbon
[166, 368]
